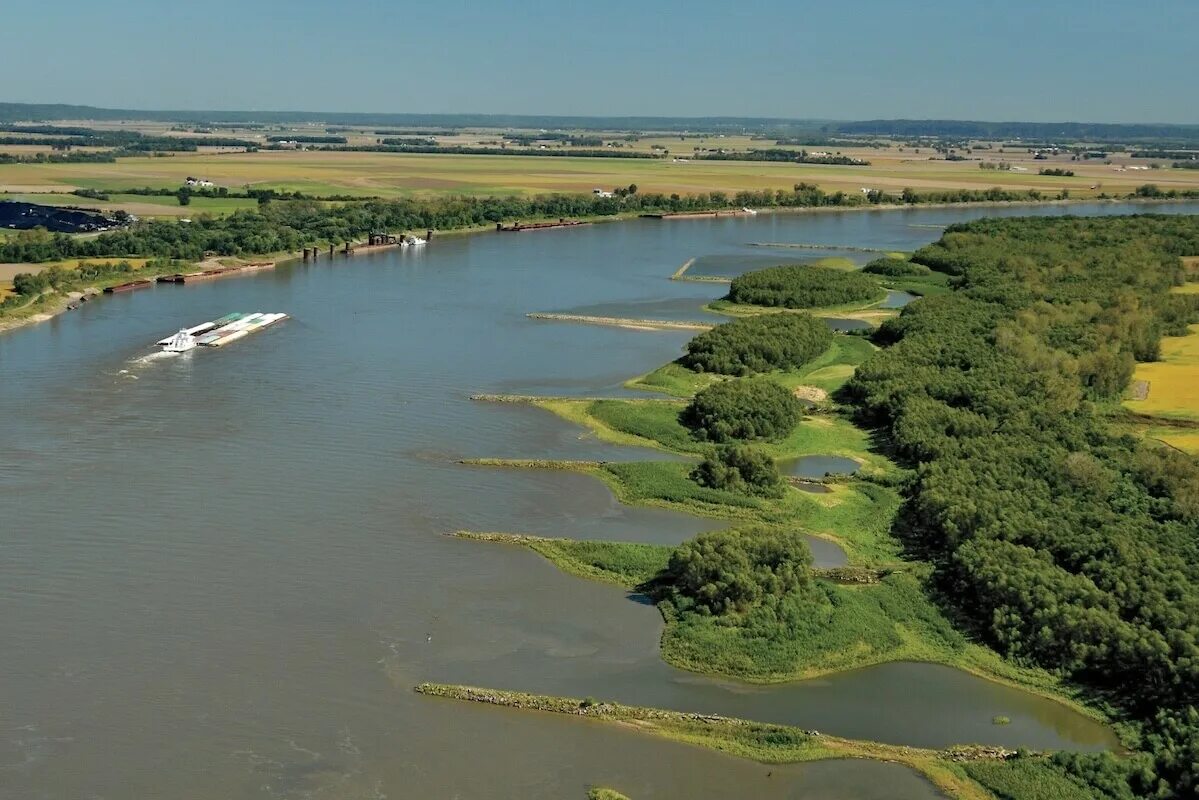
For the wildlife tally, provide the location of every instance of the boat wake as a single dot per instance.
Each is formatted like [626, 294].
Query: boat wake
[151, 358]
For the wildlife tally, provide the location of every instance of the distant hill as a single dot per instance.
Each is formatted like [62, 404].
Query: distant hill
[774, 126]
[28, 112]
[1040, 131]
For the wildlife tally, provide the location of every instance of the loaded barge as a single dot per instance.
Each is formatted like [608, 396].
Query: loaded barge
[732, 212]
[219, 332]
[209, 274]
[516, 227]
[127, 287]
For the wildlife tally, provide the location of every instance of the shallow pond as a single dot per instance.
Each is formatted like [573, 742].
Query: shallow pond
[896, 299]
[818, 466]
[826, 553]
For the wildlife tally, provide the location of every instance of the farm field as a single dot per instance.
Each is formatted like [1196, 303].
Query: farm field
[406, 174]
[1173, 388]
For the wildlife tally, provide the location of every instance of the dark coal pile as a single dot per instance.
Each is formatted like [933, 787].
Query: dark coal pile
[25, 216]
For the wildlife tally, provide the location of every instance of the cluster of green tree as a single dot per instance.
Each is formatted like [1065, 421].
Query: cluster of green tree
[742, 410]
[56, 142]
[529, 139]
[1182, 155]
[731, 572]
[778, 154]
[815, 140]
[1057, 172]
[1153, 190]
[131, 141]
[410, 141]
[394, 132]
[800, 286]
[27, 285]
[739, 468]
[1067, 545]
[308, 139]
[249, 193]
[91, 157]
[895, 268]
[1186, 164]
[1002, 166]
[993, 195]
[50, 130]
[759, 344]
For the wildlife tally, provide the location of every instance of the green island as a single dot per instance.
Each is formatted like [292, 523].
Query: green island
[1007, 519]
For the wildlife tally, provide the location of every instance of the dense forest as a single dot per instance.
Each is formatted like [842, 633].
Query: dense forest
[1064, 543]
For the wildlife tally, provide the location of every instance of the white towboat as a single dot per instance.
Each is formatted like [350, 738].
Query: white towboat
[412, 241]
[181, 342]
[228, 328]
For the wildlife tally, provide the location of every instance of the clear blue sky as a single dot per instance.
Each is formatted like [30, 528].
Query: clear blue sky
[1086, 60]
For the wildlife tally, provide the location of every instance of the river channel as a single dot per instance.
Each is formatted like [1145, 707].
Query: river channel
[221, 573]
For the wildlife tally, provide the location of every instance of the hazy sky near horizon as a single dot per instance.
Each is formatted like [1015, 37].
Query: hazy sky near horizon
[1091, 60]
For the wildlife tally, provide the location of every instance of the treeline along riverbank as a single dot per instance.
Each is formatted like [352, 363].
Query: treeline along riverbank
[288, 226]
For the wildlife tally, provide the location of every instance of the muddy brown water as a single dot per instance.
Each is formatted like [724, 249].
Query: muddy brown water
[222, 572]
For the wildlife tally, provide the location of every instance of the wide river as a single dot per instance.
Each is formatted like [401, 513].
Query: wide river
[221, 573]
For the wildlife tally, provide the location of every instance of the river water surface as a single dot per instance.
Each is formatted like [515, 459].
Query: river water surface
[222, 572]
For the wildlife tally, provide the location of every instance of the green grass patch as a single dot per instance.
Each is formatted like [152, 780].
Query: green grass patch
[627, 564]
[674, 379]
[827, 629]
[1026, 779]
[923, 285]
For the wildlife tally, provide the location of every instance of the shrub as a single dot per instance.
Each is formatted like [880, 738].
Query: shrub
[746, 409]
[732, 571]
[739, 468]
[895, 267]
[799, 286]
[759, 344]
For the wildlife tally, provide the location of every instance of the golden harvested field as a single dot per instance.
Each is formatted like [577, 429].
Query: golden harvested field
[1184, 440]
[401, 174]
[1173, 381]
